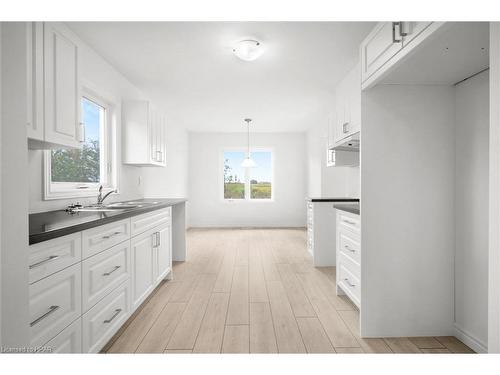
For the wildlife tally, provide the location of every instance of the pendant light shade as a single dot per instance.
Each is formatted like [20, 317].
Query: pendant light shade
[248, 162]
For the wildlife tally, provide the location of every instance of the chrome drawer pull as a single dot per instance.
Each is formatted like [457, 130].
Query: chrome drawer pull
[49, 259]
[117, 311]
[349, 222]
[111, 235]
[349, 283]
[110, 272]
[38, 320]
[348, 248]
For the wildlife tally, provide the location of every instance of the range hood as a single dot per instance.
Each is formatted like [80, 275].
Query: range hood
[350, 143]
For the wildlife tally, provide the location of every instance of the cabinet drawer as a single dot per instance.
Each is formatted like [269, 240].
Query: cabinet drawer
[150, 220]
[102, 321]
[54, 303]
[350, 283]
[103, 237]
[68, 341]
[104, 272]
[349, 221]
[46, 258]
[349, 245]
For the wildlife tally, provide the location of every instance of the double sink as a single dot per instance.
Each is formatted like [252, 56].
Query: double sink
[113, 206]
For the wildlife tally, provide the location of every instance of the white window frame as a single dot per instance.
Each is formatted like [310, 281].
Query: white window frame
[65, 190]
[248, 197]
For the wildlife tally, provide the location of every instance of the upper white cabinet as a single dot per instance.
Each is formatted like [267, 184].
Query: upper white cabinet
[348, 106]
[54, 89]
[388, 43]
[144, 134]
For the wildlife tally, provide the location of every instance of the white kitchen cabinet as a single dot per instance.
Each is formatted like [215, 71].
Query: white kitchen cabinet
[68, 341]
[54, 303]
[143, 254]
[85, 285]
[151, 260]
[103, 320]
[54, 88]
[348, 256]
[383, 42]
[348, 105]
[388, 43]
[144, 134]
[163, 264]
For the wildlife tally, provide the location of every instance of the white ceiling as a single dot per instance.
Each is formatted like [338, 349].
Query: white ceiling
[188, 69]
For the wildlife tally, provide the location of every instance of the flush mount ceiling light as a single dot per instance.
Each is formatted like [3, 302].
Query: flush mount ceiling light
[248, 162]
[248, 49]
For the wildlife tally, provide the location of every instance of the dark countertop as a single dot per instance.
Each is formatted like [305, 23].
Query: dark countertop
[329, 199]
[44, 226]
[352, 208]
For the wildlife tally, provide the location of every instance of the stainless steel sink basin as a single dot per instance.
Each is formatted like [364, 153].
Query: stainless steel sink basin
[106, 208]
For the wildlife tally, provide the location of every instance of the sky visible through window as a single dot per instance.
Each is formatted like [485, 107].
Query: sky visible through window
[261, 173]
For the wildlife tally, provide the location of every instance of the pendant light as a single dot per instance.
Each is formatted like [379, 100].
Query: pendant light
[248, 162]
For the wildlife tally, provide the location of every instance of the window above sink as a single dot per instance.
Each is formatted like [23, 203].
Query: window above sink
[76, 173]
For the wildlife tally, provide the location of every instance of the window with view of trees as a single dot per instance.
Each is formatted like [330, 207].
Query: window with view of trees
[84, 169]
[247, 183]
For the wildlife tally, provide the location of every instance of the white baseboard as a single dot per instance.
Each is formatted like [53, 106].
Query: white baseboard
[469, 340]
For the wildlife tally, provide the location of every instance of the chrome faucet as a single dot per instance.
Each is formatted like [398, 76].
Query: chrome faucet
[101, 198]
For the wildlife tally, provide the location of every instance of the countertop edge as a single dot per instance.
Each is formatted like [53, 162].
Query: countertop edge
[354, 200]
[46, 236]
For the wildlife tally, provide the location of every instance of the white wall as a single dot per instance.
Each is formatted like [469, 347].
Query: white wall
[207, 209]
[407, 206]
[471, 198]
[14, 191]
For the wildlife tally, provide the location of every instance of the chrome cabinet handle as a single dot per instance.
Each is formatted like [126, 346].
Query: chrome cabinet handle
[158, 158]
[394, 24]
[348, 248]
[39, 319]
[158, 239]
[349, 283]
[349, 222]
[111, 235]
[117, 311]
[38, 264]
[110, 272]
[344, 127]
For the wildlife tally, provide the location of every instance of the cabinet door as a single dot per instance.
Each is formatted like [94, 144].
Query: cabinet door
[163, 252]
[34, 53]
[410, 30]
[379, 47]
[62, 86]
[163, 140]
[143, 272]
[153, 134]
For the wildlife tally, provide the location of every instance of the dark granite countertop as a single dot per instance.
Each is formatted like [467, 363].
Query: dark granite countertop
[352, 208]
[330, 199]
[44, 226]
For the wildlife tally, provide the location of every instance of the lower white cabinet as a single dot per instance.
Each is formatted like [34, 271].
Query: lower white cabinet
[151, 260]
[77, 305]
[102, 321]
[68, 341]
[349, 256]
[104, 272]
[55, 302]
[163, 264]
[143, 258]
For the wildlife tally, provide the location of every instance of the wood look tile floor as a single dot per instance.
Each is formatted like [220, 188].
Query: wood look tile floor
[255, 291]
